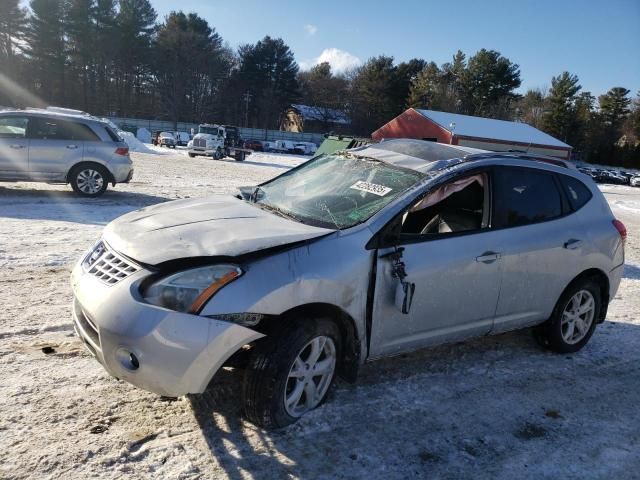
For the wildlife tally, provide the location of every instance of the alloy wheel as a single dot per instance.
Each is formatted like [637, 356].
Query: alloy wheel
[89, 181]
[578, 317]
[310, 376]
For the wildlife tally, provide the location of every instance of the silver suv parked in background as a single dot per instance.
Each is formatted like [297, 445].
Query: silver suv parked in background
[349, 257]
[46, 146]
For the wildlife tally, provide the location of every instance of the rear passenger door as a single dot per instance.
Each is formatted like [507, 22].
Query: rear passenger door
[54, 146]
[540, 245]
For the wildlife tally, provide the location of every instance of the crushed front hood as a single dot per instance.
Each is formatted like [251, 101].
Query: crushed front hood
[211, 226]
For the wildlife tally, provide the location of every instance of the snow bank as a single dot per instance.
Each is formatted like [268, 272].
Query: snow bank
[136, 145]
[143, 135]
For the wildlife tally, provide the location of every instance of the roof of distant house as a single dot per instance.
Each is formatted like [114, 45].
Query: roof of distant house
[489, 128]
[322, 114]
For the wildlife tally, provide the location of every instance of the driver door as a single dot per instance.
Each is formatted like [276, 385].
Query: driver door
[456, 270]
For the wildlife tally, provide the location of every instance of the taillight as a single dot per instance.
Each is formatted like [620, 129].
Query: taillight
[122, 151]
[622, 230]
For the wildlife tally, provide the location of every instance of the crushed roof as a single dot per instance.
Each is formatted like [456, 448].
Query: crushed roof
[416, 154]
[489, 128]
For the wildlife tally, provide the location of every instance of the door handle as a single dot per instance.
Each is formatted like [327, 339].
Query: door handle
[572, 244]
[72, 147]
[488, 257]
[16, 147]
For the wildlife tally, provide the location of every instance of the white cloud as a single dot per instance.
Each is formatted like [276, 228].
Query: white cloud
[311, 29]
[339, 60]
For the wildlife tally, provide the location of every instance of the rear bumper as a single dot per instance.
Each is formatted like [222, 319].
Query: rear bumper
[122, 173]
[156, 349]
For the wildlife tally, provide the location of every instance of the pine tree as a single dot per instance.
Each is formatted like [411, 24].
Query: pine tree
[190, 64]
[426, 90]
[46, 50]
[488, 84]
[453, 97]
[559, 115]
[135, 27]
[80, 31]
[12, 32]
[372, 102]
[104, 19]
[614, 106]
[268, 71]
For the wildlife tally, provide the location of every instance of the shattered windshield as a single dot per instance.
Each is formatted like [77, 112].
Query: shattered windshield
[335, 191]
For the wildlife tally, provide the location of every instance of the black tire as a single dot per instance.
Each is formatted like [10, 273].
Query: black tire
[217, 155]
[192, 155]
[271, 360]
[240, 156]
[549, 334]
[79, 175]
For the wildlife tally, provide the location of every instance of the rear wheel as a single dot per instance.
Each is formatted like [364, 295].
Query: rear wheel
[290, 373]
[89, 180]
[574, 318]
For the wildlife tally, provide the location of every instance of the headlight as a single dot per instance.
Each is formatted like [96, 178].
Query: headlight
[189, 290]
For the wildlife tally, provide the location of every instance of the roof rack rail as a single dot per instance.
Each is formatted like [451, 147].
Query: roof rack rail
[558, 162]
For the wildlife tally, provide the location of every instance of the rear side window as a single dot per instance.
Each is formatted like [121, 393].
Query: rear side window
[55, 129]
[577, 192]
[13, 127]
[114, 136]
[523, 196]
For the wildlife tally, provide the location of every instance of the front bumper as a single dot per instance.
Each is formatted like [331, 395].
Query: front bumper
[175, 353]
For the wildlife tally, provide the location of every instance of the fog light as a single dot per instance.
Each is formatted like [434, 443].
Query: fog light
[128, 360]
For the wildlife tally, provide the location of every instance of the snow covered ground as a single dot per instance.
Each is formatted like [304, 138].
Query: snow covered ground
[496, 407]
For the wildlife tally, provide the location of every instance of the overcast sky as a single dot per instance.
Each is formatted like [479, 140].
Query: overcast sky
[597, 40]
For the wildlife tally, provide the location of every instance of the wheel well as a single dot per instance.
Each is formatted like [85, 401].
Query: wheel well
[350, 361]
[110, 178]
[600, 278]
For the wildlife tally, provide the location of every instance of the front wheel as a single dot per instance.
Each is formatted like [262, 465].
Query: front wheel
[89, 180]
[290, 372]
[217, 155]
[574, 318]
[192, 155]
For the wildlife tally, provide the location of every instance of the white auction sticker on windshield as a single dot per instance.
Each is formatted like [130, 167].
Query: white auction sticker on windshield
[374, 188]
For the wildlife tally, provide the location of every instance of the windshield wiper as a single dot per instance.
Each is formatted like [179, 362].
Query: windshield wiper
[280, 212]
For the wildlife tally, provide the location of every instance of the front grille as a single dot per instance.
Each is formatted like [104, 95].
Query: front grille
[107, 265]
[200, 142]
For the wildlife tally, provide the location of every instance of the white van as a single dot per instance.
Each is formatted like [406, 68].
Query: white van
[306, 148]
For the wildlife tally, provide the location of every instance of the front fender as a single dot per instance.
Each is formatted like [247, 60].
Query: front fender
[333, 270]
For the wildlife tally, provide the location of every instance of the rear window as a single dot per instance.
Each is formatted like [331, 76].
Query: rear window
[577, 192]
[524, 196]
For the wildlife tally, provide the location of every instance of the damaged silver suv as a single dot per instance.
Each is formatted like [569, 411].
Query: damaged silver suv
[349, 257]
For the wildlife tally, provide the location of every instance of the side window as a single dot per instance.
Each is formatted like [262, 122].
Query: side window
[457, 206]
[13, 127]
[114, 136]
[523, 196]
[55, 129]
[81, 132]
[577, 192]
[47, 129]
